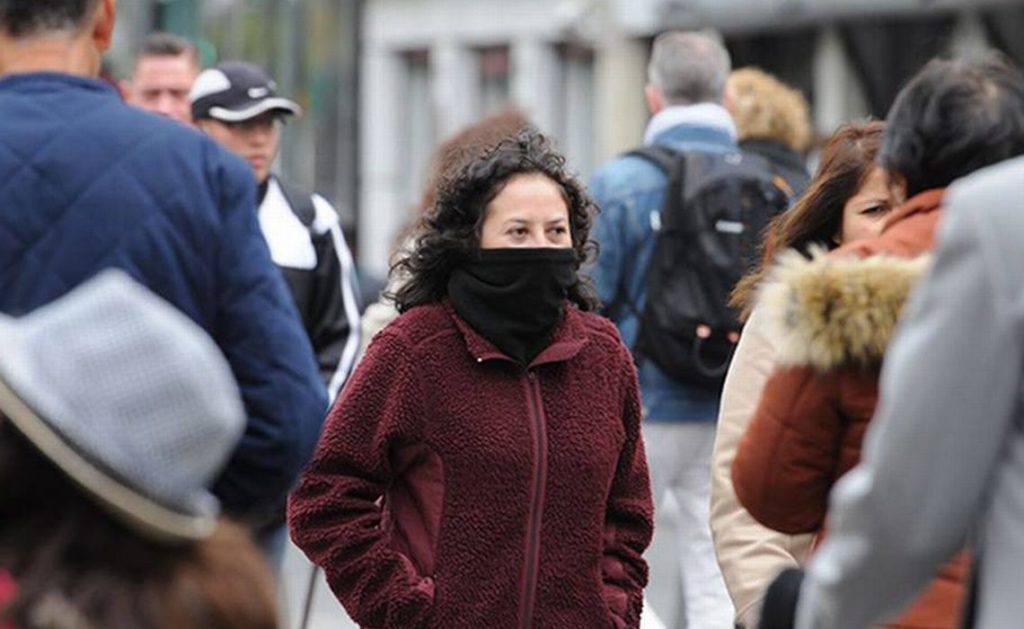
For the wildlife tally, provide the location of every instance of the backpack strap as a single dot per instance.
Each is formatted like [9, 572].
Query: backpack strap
[673, 164]
[300, 201]
[663, 157]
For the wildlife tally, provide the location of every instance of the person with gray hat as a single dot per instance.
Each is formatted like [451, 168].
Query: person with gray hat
[116, 414]
[90, 183]
[236, 103]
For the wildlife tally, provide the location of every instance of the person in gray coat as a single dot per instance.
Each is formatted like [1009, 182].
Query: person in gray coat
[944, 459]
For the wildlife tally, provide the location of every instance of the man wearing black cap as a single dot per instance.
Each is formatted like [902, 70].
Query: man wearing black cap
[236, 103]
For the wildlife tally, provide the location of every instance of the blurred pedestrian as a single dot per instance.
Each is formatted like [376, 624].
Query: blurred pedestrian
[847, 200]
[485, 466]
[833, 316]
[686, 88]
[236, 103]
[165, 69]
[116, 412]
[467, 144]
[91, 183]
[942, 461]
[772, 121]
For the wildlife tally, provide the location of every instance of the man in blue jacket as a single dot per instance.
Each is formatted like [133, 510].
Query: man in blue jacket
[686, 88]
[87, 183]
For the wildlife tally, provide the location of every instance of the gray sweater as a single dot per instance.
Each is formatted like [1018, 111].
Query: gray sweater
[944, 459]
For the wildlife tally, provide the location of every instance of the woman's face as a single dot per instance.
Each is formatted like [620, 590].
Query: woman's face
[866, 210]
[529, 212]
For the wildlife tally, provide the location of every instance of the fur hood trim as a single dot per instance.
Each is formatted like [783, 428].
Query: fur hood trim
[830, 312]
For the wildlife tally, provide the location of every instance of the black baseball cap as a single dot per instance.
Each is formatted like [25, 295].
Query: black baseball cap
[236, 91]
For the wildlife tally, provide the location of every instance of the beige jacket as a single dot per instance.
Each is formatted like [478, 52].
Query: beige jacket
[749, 554]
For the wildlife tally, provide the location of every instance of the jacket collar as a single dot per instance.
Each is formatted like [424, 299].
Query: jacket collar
[569, 338]
[707, 116]
[775, 152]
[842, 308]
[828, 312]
[56, 79]
[921, 203]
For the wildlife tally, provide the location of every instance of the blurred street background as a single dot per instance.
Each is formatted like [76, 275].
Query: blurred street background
[383, 81]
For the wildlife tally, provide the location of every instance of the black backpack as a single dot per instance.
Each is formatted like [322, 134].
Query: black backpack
[716, 209]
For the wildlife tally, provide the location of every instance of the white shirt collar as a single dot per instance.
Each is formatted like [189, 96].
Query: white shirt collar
[703, 115]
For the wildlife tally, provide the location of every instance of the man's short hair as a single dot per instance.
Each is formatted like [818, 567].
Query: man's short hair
[689, 68]
[160, 44]
[953, 118]
[22, 18]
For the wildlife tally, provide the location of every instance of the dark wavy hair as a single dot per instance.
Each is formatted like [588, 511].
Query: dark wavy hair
[23, 18]
[450, 230]
[953, 118]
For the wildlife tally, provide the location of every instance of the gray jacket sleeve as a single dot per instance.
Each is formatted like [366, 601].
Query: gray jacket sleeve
[948, 394]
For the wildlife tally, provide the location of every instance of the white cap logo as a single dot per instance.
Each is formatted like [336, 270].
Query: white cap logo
[209, 82]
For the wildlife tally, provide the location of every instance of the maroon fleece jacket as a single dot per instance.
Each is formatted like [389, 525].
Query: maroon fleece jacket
[512, 496]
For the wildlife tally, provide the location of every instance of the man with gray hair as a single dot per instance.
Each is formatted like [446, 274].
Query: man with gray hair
[687, 75]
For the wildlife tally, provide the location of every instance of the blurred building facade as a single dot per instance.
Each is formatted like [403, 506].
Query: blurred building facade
[577, 68]
[383, 81]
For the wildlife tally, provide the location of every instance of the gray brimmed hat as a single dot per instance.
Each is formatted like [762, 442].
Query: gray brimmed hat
[129, 398]
[236, 91]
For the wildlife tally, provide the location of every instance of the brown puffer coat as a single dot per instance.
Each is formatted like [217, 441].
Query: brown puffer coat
[832, 318]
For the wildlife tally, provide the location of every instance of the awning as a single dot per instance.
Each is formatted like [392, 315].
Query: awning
[647, 17]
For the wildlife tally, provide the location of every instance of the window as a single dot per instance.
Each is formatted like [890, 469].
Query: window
[494, 91]
[788, 55]
[887, 52]
[575, 130]
[418, 130]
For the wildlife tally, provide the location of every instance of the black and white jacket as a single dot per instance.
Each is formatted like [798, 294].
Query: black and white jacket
[306, 243]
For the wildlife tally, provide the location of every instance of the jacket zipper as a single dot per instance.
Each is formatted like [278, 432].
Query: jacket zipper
[536, 501]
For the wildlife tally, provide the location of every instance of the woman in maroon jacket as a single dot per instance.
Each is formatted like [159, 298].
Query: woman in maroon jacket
[484, 467]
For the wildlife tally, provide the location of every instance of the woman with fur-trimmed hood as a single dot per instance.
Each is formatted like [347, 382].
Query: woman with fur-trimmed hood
[847, 201]
[832, 315]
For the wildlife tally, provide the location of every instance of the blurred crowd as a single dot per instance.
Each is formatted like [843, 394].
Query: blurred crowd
[743, 377]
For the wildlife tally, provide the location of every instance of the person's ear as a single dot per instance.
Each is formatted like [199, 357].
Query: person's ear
[655, 100]
[729, 98]
[103, 25]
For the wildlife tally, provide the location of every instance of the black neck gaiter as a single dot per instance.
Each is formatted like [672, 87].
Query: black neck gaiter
[514, 297]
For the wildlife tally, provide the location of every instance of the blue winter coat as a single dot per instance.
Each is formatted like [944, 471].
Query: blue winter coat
[87, 183]
[629, 190]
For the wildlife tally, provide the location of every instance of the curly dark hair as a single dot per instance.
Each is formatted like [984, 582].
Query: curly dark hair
[450, 230]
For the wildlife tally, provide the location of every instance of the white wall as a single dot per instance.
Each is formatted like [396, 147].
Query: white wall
[451, 32]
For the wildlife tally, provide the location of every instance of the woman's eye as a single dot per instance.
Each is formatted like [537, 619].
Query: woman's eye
[519, 232]
[874, 210]
[559, 230]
